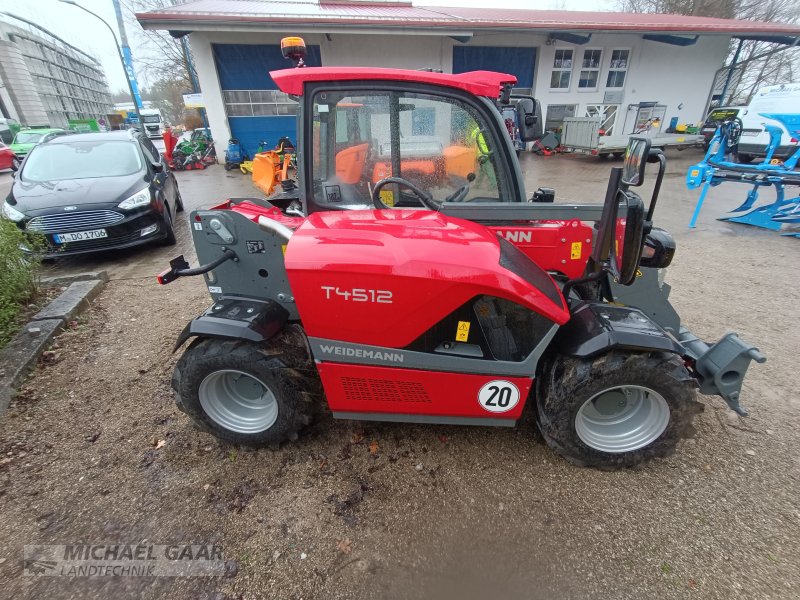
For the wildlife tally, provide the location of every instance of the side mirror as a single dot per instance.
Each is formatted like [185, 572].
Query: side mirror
[157, 167]
[529, 115]
[636, 156]
[626, 252]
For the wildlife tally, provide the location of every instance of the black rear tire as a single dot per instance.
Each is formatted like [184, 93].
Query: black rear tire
[281, 365]
[566, 383]
[745, 159]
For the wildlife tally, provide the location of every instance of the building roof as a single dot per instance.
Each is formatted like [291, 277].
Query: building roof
[480, 83]
[221, 14]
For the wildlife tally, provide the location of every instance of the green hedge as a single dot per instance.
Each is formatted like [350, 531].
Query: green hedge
[18, 278]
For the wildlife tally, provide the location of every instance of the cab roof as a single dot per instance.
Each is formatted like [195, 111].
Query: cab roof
[479, 83]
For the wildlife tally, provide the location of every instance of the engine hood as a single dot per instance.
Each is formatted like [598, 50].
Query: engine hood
[384, 277]
[39, 198]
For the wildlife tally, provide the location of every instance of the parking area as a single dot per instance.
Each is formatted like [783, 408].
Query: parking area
[93, 450]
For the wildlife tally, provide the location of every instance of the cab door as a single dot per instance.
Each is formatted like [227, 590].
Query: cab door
[437, 139]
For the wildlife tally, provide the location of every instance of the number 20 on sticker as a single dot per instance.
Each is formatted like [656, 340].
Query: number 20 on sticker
[498, 396]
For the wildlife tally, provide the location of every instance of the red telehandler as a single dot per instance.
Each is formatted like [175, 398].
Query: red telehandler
[409, 278]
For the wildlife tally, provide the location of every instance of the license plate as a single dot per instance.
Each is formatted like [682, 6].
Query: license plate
[750, 132]
[709, 130]
[79, 236]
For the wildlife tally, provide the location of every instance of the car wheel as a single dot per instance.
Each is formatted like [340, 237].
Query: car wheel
[15, 164]
[178, 199]
[169, 239]
[616, 410]
[744, 158]
[245, 393]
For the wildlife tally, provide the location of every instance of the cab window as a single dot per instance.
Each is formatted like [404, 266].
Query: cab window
[437, 143]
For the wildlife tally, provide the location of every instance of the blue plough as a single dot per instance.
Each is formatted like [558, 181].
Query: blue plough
[715, 169]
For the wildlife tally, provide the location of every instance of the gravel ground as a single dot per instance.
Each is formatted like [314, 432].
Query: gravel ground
[354, 510]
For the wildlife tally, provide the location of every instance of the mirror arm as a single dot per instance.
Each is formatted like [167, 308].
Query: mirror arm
[662, 169]
[565, 291]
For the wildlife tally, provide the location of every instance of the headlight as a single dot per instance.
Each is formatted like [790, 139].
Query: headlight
[9, 212]
[139, 199]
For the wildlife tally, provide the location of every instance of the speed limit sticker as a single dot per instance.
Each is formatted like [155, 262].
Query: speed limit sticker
[498, 396]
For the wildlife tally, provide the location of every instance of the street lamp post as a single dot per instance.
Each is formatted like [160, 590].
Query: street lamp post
[134, 95]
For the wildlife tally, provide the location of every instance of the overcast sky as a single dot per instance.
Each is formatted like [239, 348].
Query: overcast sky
[84, 31]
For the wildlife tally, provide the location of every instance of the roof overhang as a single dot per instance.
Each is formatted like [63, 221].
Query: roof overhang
[307, 16]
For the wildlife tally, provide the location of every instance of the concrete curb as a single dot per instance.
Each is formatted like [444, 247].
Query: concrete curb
[73, 300]
[21, 354]
[65, 280]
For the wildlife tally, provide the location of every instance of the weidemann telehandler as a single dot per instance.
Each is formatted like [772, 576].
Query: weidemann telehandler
[408, 277]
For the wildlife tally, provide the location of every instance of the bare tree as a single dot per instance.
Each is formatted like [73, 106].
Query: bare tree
[759, 63]
[159, 55]
[161, 62]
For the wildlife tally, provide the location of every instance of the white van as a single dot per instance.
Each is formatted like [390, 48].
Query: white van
[773, 99]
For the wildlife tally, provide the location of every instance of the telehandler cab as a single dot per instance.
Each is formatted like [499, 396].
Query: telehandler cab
[407, 277]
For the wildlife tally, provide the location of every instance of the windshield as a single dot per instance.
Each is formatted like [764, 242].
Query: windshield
[151, 118]
[437, 143]
[28, 138]
[81, 160]
[722, 114]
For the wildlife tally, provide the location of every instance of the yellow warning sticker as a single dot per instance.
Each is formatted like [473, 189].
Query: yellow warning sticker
[463, 331]
[577, 247]
[387, 197]
[283, 248]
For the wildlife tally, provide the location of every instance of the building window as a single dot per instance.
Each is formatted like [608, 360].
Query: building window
[556, 113]
[258, 103]
[590, 69]
[562, 70]
[618, 68]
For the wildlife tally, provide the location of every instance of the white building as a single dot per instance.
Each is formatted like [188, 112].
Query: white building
[46, 81]
[625, 67]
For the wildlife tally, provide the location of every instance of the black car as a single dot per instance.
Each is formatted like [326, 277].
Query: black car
[95, 191]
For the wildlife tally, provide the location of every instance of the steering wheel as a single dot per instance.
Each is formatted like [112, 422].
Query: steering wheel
[424, 197]
[461, 193]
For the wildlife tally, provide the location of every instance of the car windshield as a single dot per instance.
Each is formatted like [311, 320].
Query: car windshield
[151, 118]
[722, 114]
[82, 160]
[28, 138]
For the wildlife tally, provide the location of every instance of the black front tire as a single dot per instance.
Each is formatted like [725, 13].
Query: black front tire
[566, 383]
[281, 365]
[169, 227]
[178, 199]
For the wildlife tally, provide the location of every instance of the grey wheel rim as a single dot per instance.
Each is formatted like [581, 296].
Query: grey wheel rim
[238, 401]
[622, 419]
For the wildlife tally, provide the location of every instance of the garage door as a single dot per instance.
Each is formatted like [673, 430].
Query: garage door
[257, 111]
[517, 61]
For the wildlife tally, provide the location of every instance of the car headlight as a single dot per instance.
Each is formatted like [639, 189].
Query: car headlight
[11, 213]
[139, 199]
